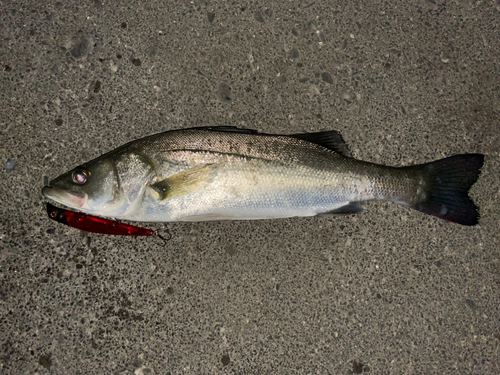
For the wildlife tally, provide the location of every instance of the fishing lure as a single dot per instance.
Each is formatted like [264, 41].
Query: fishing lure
[95, 224]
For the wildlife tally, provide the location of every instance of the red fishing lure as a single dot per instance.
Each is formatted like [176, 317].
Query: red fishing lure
[95, 224]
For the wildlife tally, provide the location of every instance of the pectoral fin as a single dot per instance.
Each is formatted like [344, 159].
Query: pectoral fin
[185, 182]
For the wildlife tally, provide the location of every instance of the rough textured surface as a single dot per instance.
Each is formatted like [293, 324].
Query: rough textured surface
[391, 291]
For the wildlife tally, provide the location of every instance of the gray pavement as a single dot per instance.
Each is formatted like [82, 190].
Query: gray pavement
[391, 291]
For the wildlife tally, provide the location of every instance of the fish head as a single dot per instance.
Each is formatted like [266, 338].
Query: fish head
[93, 188]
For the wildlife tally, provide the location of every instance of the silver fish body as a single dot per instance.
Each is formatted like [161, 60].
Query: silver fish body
[203, 174]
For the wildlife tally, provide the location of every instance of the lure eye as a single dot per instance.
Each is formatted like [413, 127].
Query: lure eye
[80, 176]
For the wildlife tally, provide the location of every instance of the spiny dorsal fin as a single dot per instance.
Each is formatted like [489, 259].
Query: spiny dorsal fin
[332, 140]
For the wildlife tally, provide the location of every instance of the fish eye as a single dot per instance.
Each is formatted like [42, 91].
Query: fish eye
[80, 176]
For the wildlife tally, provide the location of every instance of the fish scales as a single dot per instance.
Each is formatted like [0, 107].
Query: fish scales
[263, 177]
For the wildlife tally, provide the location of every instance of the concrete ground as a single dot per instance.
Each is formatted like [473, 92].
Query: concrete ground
[391, 291]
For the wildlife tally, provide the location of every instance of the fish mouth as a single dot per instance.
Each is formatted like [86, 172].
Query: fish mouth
[68, 198]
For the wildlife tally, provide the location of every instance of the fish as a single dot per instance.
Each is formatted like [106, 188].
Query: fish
[229, 173]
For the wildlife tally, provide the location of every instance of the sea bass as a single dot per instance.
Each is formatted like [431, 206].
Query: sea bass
[226, 173]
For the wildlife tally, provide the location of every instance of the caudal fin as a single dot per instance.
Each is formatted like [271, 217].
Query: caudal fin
[447, 184]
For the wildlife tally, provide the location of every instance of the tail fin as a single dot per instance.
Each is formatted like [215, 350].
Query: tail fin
[447, 186]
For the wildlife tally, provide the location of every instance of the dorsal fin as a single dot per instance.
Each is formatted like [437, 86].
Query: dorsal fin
[226, 129]
[332, 140]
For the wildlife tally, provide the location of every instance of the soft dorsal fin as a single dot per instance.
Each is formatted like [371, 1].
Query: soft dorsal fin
[332, 140]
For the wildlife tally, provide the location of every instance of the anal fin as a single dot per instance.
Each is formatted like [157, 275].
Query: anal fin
[350, 208]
